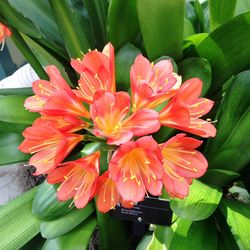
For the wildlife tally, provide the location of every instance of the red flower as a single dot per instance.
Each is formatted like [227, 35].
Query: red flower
[136, 168]
[152, 84]
[181, 164]
[50, 145]
[55, 97]
[97, 72]
[4, 31]
[78, 178]
[188, 99]
[68, 124]
[109, 112]
[107, 195]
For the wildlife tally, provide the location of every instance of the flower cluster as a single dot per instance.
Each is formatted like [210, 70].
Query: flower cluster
[137, 164]
[4, 31]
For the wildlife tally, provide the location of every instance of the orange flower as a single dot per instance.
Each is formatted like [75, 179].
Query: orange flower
[152, 84]
[188, 99]
[136, 168]
[181, 163]
[68, 124]
[55, 97]
[50, 145]
[107, 194]
[4, 31]
[109, 112]
[78, 178]
[97, 72]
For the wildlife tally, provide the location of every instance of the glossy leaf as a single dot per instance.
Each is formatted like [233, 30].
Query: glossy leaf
[124, 59]
[161, 24]
[242, 6]
[14, 110]
[220, 12]
[17, 91]
[122, 22]
[72, 32]
[112, 232]
[8, 148]
[28, 54]
[14, 19]
[45, 58]
[97, 13]
[46, 205]
[200, 15]
[196, 67]
[229, 150]
[39, 12]
[199, 204]
[195, 235]
[75, 239]
[17, 224]
[188, 28]
[55, 228]
[226, 55]
[238, 218]
[144, 242]
[219, 177]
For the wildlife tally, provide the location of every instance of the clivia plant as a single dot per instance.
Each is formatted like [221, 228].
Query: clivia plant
[120, 113]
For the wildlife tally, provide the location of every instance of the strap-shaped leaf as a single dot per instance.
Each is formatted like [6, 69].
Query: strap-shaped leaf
[78, 238]
[242, 6]
[55, 228]
[14, 111]
[124, 59]
[28, 54]
[14, 19]
[8, 148]
[195, 235]
[196, 67]
[221, 11]
[97, 10]
[227, 49]
[17, 224]
[45, 58]
[122, 22]
[39, 12]
[161, 24]
[238, 218]
[46, 205]
[17, 91]
[72, 32]
[229, 150]
[199, 204]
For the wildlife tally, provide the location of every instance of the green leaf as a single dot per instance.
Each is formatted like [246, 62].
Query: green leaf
[17, 224]
[27, 53]
[144, 242]
[196, 67]
[227, 50]
[219, 177]
[200, 14]
[112, 232]
[14, 19]
[91, 147]
[14, 110]
[122, 22]
[75, 239]
[242, 6]
[161, 24]
[124, 59]
[230, 148]
[72, 32]
[39, 12]
[46, 205]
[17, 91]
[98, 14]
[10, 127]
[238, 218]
[161, 239]
[8, 148]
[188, 28]
[45, 58]
[55, 228]
[198, 235]
[220, 12]
[199, 204]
